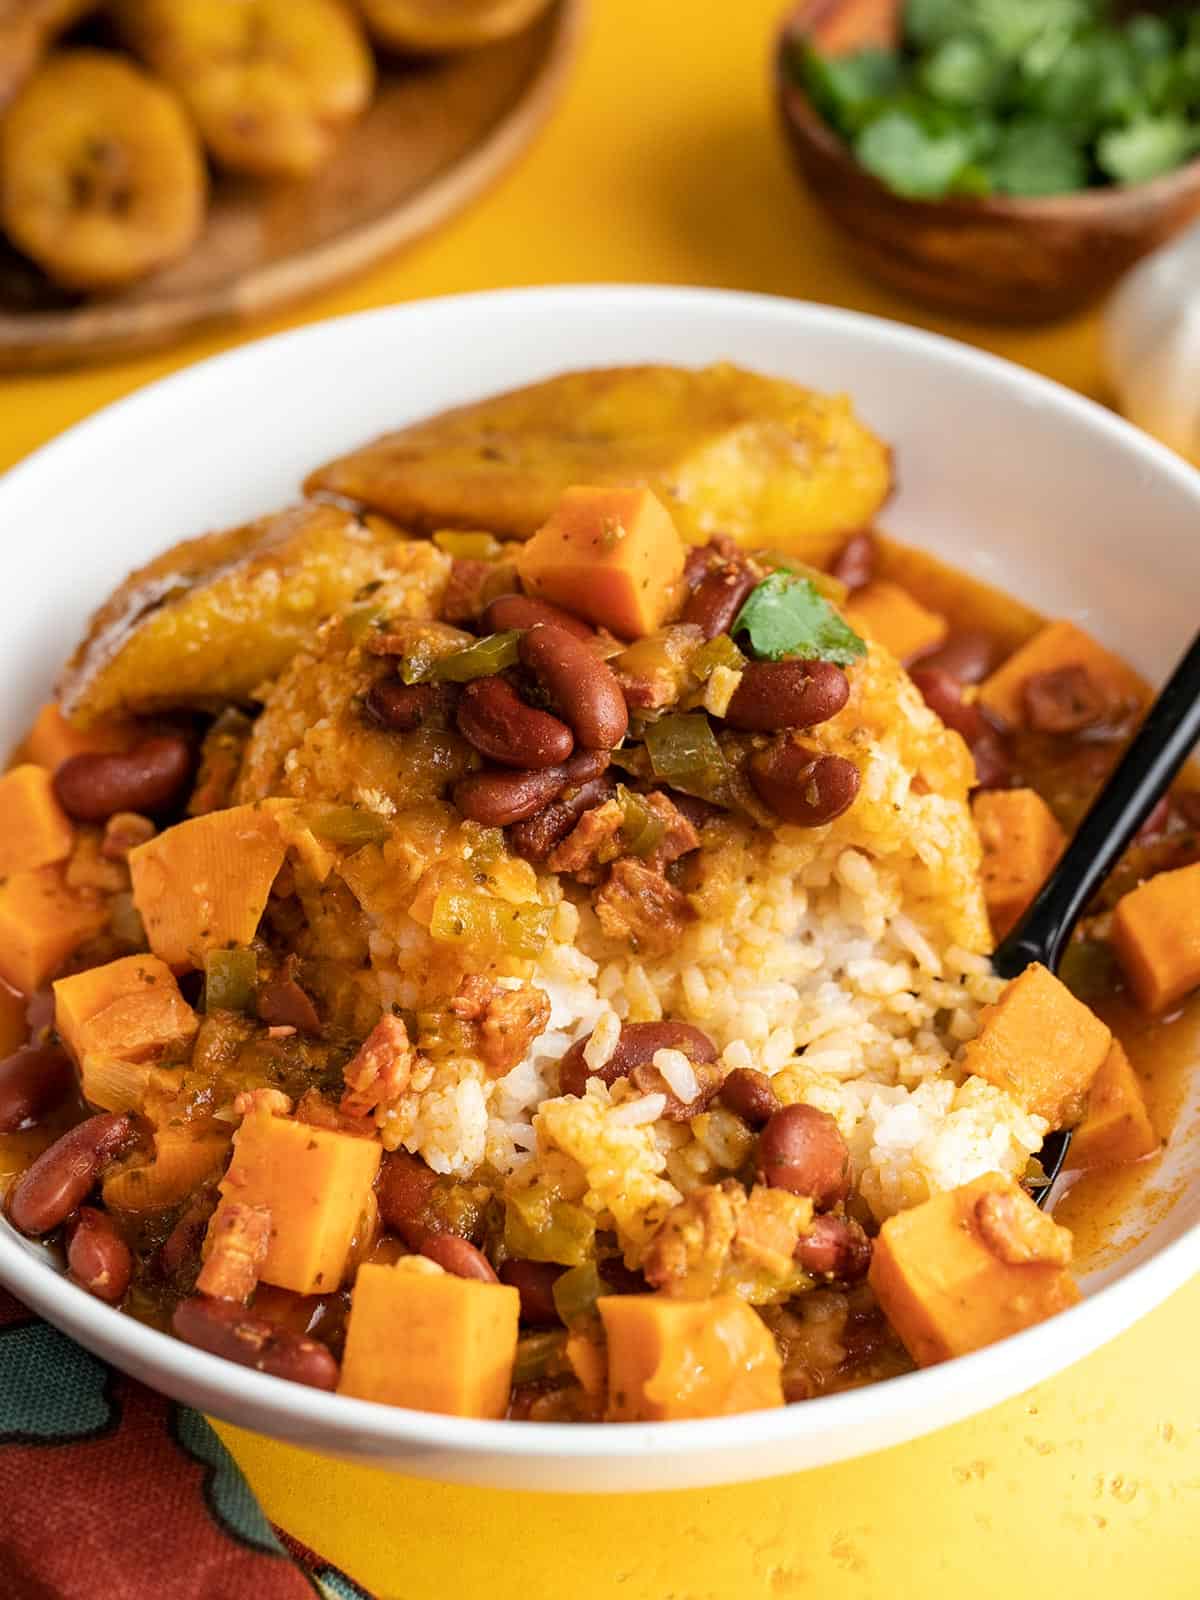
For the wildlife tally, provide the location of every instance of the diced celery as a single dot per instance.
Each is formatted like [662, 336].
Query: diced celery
[576, 1293]
[352, 825]
[467, 546]
[230, 979]
[539, 1226]
[641, 829]
[481, 660]
[462, 918]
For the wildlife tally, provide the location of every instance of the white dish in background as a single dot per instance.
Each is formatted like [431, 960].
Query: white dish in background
[1013, 478]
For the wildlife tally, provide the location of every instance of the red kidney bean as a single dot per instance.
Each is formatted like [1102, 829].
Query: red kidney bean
[635, 1048]
[39, 1014]
[98, 1258]
[402, 707]
[300, 1314]
[94, 787]
[181, 1248]
[834, 1247]
[855, 564]
[801, 1150]
[583, 688]
[404, 1192]
[282, 1003]
[1066, 700]
[496, 798]
[534, 1281]
[458, 1257]
[715, 602]
[943, 695]
[48, 1191]
[802, 786]
[522, 611]
[749, 1095]
[226, 1329]
[787, 694]
[34, 1081]
[537, 835]
[492, 715]
[968, 656]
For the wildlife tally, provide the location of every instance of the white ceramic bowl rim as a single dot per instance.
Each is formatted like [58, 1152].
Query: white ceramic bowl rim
[997, 1370]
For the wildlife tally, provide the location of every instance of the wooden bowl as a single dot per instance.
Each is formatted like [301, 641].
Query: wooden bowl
[1006, 259]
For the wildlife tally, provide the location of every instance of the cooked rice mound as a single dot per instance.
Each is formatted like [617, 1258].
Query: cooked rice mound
[848, 962]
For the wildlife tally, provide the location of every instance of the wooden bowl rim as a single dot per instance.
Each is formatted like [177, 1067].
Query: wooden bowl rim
[1079, 205]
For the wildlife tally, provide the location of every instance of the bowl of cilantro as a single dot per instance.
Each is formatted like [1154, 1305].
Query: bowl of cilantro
[1000, 158]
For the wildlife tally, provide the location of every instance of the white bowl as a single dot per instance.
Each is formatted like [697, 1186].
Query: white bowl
[1016, 479]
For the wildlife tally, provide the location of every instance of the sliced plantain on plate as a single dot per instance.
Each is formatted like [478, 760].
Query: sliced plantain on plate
[272, 84]
[428, 27]
[101, 175]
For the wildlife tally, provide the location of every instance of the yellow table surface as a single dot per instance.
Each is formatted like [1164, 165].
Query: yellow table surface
[663, 165]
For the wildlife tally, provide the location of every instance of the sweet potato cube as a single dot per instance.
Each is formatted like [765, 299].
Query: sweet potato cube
[948, 1284]
[687, 1358]
[42, 921]
[1156, 934]
[1041, 1044]
[610, 555]
[34, 828]
[130, 1008]
[1117, 1127]
[203, 884]
[315, 1182]
[889, 615]
[53, 740]
[430, 1341]
[1021, 842]
[1059, 644]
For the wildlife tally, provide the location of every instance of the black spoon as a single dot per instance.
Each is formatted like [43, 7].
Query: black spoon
[1160, 747]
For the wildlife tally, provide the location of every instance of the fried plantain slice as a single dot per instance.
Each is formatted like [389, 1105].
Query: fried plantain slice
[27, 30]
[270, 83]
[101, 175]
[726, 450]
[431, 26]
[212, 618]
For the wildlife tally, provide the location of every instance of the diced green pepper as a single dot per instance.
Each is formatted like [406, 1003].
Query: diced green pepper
[481, 660]
[684, 753]
[641, 828]
[462, 918]
[360, 620]
[230, 979]
[718, 652]
[467, 546]
[540, 1226]
[351, 825]
[539, 1355]
[576, 1293]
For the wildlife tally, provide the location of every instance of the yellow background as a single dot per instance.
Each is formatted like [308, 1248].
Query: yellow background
[663, 165]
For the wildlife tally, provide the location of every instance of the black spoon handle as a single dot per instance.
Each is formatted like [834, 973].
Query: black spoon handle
[1160, 747]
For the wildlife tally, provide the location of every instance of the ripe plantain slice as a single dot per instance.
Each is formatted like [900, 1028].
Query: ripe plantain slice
[725, 450]
[211, 619]
[270, 83]
[431, 26]
[101, 175]
[27, 30]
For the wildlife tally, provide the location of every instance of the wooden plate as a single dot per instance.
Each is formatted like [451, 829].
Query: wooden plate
[436, 134]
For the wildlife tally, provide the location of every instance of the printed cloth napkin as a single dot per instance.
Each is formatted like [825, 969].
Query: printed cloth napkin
[108, 1491]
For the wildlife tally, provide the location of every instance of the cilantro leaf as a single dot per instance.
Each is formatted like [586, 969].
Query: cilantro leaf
[963, 71]
[1034, 157]
[785, 616]
[911, 159]
[848, 89]
[1146, 149]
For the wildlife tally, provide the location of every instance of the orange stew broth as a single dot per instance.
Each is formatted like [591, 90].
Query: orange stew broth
[834, 1339]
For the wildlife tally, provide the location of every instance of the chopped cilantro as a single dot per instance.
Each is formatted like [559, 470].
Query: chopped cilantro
[786, 616]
